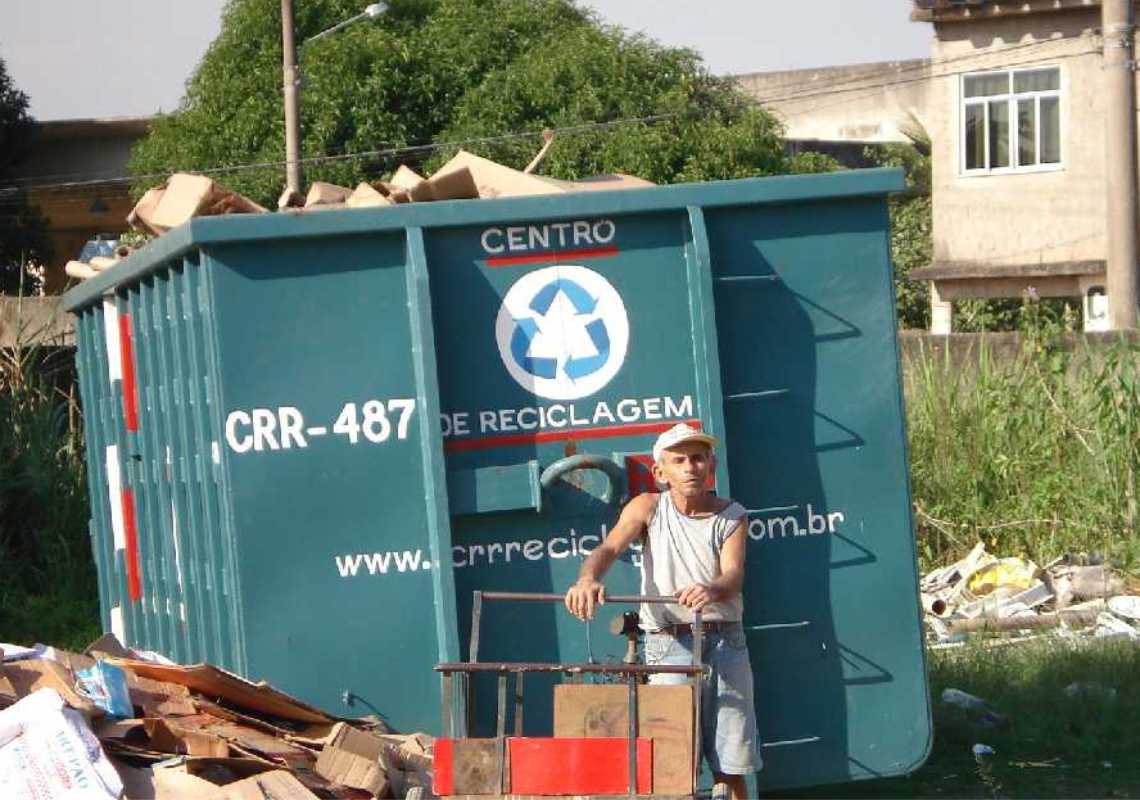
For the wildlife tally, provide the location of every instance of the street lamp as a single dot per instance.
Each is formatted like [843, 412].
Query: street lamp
[292, 87]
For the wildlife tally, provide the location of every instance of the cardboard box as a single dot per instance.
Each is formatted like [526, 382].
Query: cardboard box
[352, 758]
[664, 714]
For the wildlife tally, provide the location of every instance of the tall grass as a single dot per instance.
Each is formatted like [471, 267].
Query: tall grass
[1035, 455]
[48, 590]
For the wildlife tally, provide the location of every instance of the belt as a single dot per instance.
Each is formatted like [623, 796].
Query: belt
[712, 626]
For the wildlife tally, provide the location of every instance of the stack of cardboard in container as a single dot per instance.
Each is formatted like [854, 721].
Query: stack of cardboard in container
[982, 592]
[185, 732]
[465, 177]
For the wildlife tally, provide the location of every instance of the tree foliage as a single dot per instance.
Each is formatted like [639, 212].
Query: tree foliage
[22, 238]
[451, 72]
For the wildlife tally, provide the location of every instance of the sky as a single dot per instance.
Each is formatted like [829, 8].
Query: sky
[124, 58]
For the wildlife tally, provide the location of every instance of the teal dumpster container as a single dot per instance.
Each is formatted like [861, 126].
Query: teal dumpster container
[311, 437]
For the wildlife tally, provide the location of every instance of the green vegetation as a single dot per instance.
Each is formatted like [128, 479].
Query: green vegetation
[440, 72]
[1054, 745]
[22, 238]
[48, 591]
[1035, 455]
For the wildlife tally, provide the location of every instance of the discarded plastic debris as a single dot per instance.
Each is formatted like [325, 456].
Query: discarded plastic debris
[1008, 573]
[1110, 626]
[981, 593]
[981, 750]
[956, 697]
[1090, 691]
[106, 686]
[979, 710]
[1125, 606]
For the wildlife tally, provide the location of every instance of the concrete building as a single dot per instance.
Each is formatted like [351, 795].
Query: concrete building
[1016, 117]
[65, 167]
[860, 103]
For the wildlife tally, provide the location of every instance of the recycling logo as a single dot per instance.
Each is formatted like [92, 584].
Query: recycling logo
[562, 332]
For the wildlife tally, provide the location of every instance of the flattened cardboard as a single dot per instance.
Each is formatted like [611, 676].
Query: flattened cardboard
[664, 714]
[366, 195]
[170, 737]
[213, 681]
[171, 784]
[496, 180]
[184, 197]
[406, 178]
[144, 209]
[159, 698]
[279, 785]
[456, 184]
[107, 645]
[605, 183]
[352, 758]
[31, 674]
[321, 193]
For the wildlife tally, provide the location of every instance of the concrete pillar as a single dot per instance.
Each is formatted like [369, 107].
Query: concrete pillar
[1119, 91]
[941, 313]
[292, 102]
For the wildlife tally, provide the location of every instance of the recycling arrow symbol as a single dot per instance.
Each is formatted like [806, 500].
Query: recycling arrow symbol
[527, 328]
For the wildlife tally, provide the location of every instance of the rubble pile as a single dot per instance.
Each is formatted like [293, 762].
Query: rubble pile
[111, 723]
[985, 593]
[465, 177]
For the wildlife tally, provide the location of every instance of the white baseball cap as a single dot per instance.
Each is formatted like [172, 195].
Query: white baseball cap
[680, 433]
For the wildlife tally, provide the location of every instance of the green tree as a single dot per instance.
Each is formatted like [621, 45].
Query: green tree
[22, 237]
[450, 71]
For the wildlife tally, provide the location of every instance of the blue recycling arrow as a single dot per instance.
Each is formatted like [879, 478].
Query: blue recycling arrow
[525, 331]
[579, 297]
[576, 368]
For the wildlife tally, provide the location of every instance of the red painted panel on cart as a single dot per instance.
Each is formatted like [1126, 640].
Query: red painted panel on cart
[561, 766]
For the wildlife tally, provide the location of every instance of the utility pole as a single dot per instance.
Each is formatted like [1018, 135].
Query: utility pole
[292, 89]
[1120, 161]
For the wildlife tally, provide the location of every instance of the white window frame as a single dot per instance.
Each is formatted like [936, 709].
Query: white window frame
[1011, 98]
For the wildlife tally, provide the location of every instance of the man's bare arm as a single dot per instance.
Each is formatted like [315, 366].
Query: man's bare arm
[731, 579]
[584, 596]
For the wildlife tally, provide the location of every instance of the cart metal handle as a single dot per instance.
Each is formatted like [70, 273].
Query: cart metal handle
[616, 490]
[695, 671]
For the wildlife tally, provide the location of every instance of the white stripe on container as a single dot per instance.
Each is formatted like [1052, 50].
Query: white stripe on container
[111, 339]
[115, 495]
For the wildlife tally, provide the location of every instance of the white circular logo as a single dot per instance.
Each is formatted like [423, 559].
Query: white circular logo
[562, 332]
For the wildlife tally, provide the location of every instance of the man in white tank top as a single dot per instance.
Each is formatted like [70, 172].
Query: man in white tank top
[693, 549]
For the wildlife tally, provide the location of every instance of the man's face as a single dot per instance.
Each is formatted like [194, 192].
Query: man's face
[686, 468]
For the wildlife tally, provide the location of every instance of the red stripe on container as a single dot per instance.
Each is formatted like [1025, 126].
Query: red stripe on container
[636, 429]
[134, 577]
[130, 388]
[553, 255]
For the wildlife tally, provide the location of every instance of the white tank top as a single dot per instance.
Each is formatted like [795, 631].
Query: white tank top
[680, 551]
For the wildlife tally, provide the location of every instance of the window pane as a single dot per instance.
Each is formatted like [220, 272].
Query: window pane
[1039, 80]
[989, 84]
[975, 136]
[1050, 130]
[999, 134]
[1026, 133]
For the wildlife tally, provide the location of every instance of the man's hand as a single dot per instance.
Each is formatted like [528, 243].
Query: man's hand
[697, 596]
[584, 597]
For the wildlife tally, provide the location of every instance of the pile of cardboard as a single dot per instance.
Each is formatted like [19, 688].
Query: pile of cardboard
[465, 177]
[194, 732]
[982, 592]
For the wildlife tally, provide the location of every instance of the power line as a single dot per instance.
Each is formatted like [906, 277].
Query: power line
[425, 148]
[393, 151]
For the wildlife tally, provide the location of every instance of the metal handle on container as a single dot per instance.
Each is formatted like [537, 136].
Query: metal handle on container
[615, 492]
